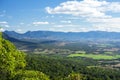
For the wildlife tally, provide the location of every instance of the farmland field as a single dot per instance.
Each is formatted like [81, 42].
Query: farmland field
[95, 56]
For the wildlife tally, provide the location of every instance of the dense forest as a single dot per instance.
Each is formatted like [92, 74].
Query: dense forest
[59, 68]
[17, 65]
[12, 64]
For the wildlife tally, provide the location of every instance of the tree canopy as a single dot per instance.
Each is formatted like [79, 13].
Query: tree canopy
[12, 63]
[11, 59]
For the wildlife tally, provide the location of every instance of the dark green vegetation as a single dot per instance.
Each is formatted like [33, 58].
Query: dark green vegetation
[60, 60]
[60, 67]
[12, 64]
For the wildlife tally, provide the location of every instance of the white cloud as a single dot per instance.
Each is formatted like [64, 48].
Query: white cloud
[104, 20]
[59, 26]
[67, 26]
[98, 13]
[19, 30]
[40, 23]
[3, 22]
[114, 7]
[85, 8]
[106, 24]
[7, 26]
[67, 21]
[114, 27]
[1, 30]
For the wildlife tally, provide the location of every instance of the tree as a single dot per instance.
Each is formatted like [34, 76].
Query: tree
[11, 59]
[12, 63]
[31, 75]
[75, 76]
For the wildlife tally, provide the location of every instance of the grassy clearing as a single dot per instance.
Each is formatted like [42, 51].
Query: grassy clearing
[95, 56]
[80, 52]
[108, 53]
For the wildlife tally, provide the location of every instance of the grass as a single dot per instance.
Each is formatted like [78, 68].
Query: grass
[95, 56]
[108, 53]
[80, 52]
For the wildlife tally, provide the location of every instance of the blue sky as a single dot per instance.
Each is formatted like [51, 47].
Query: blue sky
[60, 15]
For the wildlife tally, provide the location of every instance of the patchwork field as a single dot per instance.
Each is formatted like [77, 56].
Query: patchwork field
[95, 56]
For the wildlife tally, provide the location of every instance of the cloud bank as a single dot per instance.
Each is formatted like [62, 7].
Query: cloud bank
[103, 15]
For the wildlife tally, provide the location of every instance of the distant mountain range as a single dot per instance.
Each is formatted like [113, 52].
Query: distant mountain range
[20, 44]
[64, 36]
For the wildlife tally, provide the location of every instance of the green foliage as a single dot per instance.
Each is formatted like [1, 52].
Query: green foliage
[31, 75]
[12, 63]
[75, 76]
[0, 34]
[59, 68]
[11, 60]
[55, 68]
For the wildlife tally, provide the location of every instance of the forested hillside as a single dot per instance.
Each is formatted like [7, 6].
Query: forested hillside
[12, 64]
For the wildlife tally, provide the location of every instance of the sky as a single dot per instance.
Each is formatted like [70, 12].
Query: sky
[60, 15]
